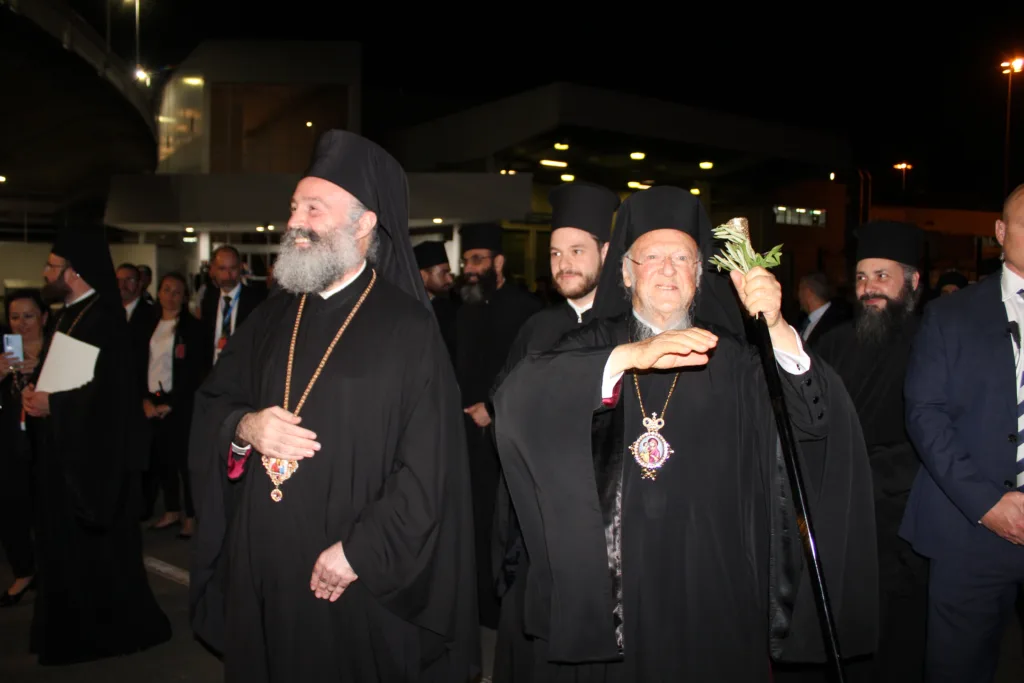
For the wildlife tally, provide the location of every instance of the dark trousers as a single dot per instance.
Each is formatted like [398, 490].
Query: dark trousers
[16, 505]
[970, 598]
[168, 461]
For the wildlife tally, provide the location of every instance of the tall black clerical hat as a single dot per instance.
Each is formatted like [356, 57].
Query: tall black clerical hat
[585, 206]
[430, 254]
[367, 172]
[658, 208]
[900, 242]
[481, 236]
[86, 249]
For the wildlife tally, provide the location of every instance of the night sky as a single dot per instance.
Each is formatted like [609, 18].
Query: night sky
[924, 90]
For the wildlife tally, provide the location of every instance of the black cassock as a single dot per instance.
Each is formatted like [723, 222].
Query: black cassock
[679, 567]
[874, 375]
[390, 482]
[485, 331]
[94, 598]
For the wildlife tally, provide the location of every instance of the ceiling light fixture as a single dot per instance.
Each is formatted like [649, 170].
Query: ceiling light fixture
[561, 146]
[192, 80]
[637, 156]
[189, 229]
[694, 190]
[438, 221]
[568, 177]
[707, 165]
[637, 185]
[553, 163]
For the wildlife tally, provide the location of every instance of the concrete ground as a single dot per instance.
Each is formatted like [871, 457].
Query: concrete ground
[183, 659]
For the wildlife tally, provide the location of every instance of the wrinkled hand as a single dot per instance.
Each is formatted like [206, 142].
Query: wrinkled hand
[1006, 518]
[759, 292]
[478, 412]
[332, 574]
[671, 349]
[35, 403]
[274, 432]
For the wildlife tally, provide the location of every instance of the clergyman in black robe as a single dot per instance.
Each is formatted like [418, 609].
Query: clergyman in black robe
[354, 565]
[662, 546]
[871, 354]
[94, 598]
[493, 309]
[581, 218]
[432, 260]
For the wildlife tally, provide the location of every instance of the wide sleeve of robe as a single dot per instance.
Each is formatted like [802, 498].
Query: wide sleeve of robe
[412, 546]
[838, 483]
[229, 392]
[97, 428]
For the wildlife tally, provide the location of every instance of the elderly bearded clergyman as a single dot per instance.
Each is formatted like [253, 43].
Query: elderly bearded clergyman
[654, 564]
[335, 533]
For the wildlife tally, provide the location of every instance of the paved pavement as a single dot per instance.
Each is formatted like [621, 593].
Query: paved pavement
[183, 659]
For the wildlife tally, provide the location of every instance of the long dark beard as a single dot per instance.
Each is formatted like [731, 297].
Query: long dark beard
[481, 290]
[874, 326]
[55, 292]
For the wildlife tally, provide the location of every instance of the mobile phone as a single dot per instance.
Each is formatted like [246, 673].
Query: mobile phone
[12, 346]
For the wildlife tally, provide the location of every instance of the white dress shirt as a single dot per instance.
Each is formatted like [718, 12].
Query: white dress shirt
[161, 357]
[812, 319]
[793, 364]
[130, 308]
[235, 294]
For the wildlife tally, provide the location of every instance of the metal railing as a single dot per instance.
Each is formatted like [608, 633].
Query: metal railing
[76, 35]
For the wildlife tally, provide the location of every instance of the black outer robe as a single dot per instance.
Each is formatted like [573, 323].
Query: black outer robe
[509, 559]
[94, 598]
[874, 376]
[698, 598]
[390, 482]
[485, 331]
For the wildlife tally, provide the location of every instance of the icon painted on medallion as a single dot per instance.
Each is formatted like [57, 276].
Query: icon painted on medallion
[279, 471]
[651, 450]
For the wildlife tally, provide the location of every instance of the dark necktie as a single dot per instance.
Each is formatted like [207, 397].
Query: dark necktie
[225, 323]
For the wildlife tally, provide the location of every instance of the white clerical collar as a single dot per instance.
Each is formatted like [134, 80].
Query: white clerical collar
[580, 310]
[81, 298]
[334, 290]
[1011, 283]
[640, 318]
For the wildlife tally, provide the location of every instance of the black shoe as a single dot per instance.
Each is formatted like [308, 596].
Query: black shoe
[9, 600]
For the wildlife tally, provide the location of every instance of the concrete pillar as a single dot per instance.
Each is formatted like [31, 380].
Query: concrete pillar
[454, 249]
[204, 246]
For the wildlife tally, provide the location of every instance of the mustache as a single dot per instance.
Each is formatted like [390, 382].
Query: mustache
[867, 296]
[563, 273]
[294, 233]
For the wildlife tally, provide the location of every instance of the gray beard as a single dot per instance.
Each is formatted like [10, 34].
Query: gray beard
[639, 331]
[328, 258]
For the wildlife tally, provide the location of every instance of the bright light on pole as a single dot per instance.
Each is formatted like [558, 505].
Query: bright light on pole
[1013, 66]
[903, 167]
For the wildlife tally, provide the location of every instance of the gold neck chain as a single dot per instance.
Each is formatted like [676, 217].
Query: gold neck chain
[643, 412]
[79, 316]
[327, 354]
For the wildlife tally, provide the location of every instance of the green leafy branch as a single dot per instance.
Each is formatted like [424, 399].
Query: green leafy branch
[738, 253]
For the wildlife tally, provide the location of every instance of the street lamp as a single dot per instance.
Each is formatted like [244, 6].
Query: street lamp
[1011, 67]
[903, 167]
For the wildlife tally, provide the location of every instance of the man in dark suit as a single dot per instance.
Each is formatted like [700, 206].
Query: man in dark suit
[139, 312]
[821, 310]
[964, 408]
[227, 302]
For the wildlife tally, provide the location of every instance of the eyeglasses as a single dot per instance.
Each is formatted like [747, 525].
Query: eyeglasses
[656, 261]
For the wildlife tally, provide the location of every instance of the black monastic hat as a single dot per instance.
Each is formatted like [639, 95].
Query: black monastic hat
[900, 242]
[367, 172]
[481, 236]
[585, 206]
[430, 254]
[87, 250]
